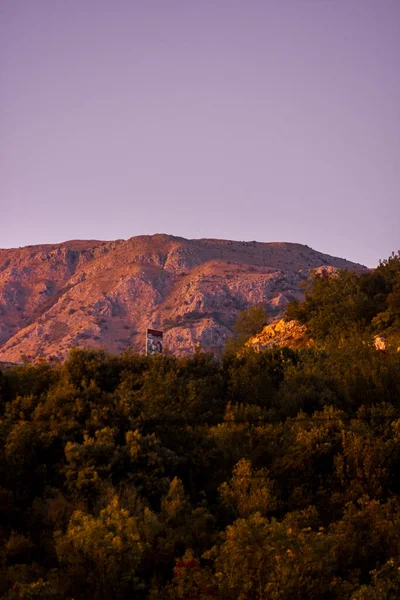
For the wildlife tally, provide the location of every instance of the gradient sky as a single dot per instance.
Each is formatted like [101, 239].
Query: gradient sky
[268, 120]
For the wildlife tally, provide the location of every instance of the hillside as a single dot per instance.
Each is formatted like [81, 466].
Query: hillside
[164, 477]
[105, 294]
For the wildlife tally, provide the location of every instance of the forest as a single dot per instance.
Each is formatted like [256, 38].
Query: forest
[268, 475]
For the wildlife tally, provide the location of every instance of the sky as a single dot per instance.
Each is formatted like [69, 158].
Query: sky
[267, 120]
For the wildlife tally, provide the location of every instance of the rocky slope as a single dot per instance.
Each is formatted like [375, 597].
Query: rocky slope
[105, 294]
[278, 334]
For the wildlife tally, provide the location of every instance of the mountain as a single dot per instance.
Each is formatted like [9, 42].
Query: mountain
[105, 294]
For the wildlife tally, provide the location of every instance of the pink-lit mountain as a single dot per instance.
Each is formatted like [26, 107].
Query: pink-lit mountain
[105, 294]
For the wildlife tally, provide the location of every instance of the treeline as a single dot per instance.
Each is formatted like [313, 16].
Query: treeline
[271, 475]
[343, 301]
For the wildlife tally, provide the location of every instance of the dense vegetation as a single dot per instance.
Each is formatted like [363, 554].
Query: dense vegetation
[270, 475]
[335, 303]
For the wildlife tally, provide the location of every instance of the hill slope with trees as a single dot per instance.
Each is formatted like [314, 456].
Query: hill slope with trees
[255, 475]
[343, 301]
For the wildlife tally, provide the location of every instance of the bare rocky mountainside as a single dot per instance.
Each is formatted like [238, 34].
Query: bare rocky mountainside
[105, 294]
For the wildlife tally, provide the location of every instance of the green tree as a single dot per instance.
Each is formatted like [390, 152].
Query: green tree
[385, 583]
[249, 322]
[262, 559]
[249, 491]
[102, 554]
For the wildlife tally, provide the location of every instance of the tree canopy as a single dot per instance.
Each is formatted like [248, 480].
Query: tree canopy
[247, 476]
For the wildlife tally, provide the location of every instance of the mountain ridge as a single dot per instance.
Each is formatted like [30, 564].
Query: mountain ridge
[106, 293]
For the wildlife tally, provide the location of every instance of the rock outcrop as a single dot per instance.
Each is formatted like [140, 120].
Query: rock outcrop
[278, 334]
[105, 294]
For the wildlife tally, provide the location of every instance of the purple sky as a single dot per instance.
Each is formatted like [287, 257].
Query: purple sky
[268, 120]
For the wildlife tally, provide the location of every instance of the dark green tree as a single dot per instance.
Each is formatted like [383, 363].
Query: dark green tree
[249, 322]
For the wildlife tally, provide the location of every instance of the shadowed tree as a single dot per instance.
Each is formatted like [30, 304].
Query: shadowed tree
[249, 322]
